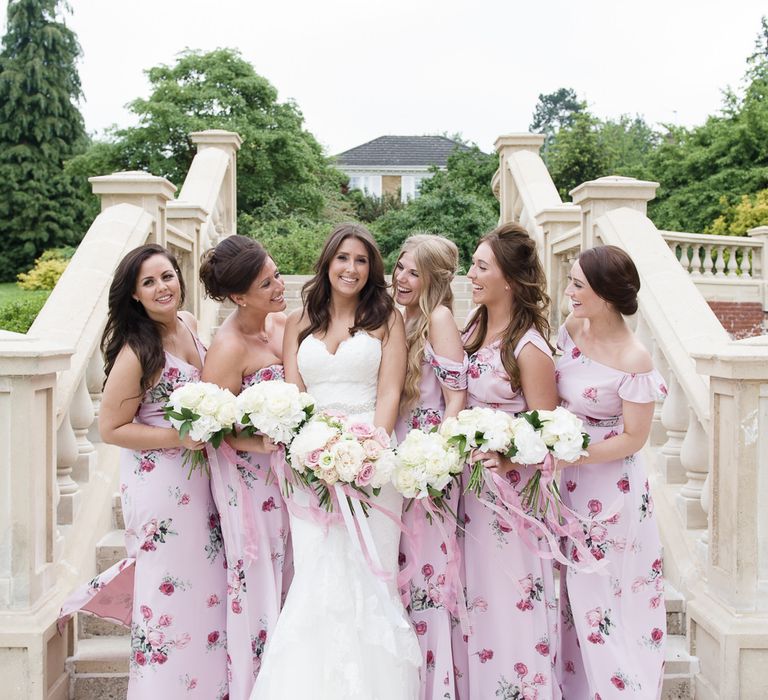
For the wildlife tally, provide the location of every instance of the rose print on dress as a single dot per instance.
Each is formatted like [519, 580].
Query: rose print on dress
[523, 689]
[146, 461]
[600, 624]
[155, 532]
[153, 641]
[590, 394]
[215, 541]
[654, 639]
[532, 590]
[484, 655]
[169, 585]
[258, 642]
[216, 640]
[621, 681]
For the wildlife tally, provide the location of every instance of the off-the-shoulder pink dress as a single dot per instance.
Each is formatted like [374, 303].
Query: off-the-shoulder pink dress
[435, 542]
[511, 651]
[614, 629]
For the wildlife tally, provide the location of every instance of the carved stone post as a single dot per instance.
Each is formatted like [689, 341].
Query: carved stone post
[81, 415]
[760, 261]
[674, 418]
[729, 614]
[94, 378]
[695, 460]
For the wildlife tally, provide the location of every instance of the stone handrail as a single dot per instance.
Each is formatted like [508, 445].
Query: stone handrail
[705, 254]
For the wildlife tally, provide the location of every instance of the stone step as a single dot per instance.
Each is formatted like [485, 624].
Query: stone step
[99, 669]
[110, 549]
[89, 626]
[679, 669]
[117, 512]
[675, 605]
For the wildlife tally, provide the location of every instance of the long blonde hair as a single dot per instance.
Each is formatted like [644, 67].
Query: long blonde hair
[436, 260]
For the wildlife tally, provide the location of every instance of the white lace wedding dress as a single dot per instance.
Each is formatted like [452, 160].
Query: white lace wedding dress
[341, 635]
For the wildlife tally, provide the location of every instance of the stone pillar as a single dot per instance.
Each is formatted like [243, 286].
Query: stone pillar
[229, 142]
[509, 197]
[729, 617]
[760, 266]
[555, 223]
[674, 419]
[695, 460]
[188, 220]
[149, 192]
[28, 475]
[597, 197]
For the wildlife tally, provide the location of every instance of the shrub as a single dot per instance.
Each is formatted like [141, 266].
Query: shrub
[44, 274]
[17, 316]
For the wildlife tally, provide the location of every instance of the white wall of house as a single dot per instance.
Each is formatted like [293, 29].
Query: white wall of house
[370, 180]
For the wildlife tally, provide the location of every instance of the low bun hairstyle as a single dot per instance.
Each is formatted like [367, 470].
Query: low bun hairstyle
[612, 276]
[231, 267]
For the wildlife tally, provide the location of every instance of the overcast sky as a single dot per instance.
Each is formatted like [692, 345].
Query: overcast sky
[360, 70]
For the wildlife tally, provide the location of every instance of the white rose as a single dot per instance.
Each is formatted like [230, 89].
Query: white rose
[348, 459]
[531, 449]
[386, 466]
[203, 428]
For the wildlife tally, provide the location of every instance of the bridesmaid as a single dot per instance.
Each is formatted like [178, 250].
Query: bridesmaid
[510, 589]
[172, 585]
[615, 626]
[248, 349]
[435, 387]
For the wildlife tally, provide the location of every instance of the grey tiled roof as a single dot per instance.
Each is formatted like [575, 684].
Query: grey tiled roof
[401, 150]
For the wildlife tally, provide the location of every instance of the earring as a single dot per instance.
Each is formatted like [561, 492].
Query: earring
[506, 288]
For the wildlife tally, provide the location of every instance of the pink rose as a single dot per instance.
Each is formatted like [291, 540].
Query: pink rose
[594, 617]
[575, 352]
[421, 628]
[590, 393]
[596, 638]
[192, 684]
[513, 476]
[527, 585]
[539, 679]
[184, 500]
[262, 635]
[182, 641]
[656, 634]
[542, 648]
[441, 580]
[485, 655]
[362, 431]
[148, 546]
[524, 605]
[594, 506]
[569, 667]
[597, 553]
[618, 682]
[521, 669]
[150, 528]
[597, 533]
[146, 612]
[473, 371]
[427, 570]
[213, 637]
[139, 658]
[213, 599]
[381, 436]
[167, 588]
[237, 608]
[365, 474]
[165, 621]
[623, 484]
[372, 449]
[656, 566]
[267, 374]
[430, 657]
[155, 638]
[158, 658]
[147, 465]
[313, 457]
[570, 485]
[268, 505]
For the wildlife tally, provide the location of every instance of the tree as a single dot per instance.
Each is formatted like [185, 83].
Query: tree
[281, 167]
[40, 128]
[555, 111]
[736, 220]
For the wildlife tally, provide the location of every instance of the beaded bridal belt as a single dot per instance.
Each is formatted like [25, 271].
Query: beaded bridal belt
[349, 408]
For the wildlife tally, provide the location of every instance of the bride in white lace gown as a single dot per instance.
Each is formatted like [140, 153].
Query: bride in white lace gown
[342, 635]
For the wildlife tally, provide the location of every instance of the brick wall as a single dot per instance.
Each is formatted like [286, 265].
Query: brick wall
[740, 319]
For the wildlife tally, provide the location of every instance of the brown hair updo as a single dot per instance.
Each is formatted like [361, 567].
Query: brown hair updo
[231, 267]
[516, 255]
[612, 276]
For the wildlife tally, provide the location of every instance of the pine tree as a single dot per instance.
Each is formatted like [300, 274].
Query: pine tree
[40, 128]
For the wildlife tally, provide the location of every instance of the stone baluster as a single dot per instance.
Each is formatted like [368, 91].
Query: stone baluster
[658, 432]
[683, 259]
[94, 379]
[744, 266]
[708, 262]
[81, 415]
[66, 460]
[674, 418]
[760, 260]
[695, 460]
[720, 261]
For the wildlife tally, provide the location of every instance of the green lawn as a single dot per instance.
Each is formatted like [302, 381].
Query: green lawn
[10, 291]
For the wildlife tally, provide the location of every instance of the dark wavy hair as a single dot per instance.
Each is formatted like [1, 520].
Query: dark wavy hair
[127, 321]
[612, 276]
[516, 255]
[375, 304]
[231, 267]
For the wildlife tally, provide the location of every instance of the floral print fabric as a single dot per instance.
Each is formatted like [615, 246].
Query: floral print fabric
[171, 589]
[614, 625]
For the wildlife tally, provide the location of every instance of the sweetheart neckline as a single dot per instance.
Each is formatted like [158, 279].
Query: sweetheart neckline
[346, 340]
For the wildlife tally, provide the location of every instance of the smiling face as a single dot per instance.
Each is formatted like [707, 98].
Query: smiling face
[349, 268]
[488, 282]
[157, 286]
[266, 293]
[408, 282]
[585, 303]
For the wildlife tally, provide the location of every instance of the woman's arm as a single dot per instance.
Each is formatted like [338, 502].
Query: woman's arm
[291, 348]
[119, 403]
[637, 426]
[446, 342]
[391, 374]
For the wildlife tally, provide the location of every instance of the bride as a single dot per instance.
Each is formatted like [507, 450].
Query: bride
[343, 634]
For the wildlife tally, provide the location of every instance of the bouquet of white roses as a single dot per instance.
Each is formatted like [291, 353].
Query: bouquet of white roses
[206, 413]
[276, 409]
[479, 428]
[545, 436]
[330, 450]
[426, 464]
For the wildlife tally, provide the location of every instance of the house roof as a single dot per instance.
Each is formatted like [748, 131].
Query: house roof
[401, 150]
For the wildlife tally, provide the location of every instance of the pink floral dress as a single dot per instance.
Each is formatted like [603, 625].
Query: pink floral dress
[614, 625]
[510, 590]
[258, 572]
[171, 589]
[434, 543]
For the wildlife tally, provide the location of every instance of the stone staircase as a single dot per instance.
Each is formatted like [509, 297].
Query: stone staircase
[99, 668]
